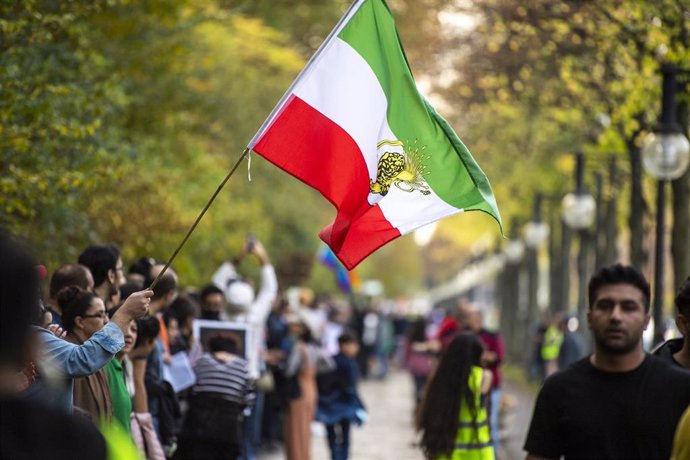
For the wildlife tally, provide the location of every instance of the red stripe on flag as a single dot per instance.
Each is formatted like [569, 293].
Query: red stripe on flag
[365, 235]
[311, 147]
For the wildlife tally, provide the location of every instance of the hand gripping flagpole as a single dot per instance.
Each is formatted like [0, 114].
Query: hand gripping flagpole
[198, 219]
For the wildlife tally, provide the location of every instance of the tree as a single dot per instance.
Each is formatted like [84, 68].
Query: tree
[571, 61]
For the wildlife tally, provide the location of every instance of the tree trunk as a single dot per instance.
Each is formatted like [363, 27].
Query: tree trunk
[566, 237]
[555, 272]
[600, 242]
[532, 287]
[638, 207]
[509, 309]
[611, 227]
[582, 280]
[680, 234]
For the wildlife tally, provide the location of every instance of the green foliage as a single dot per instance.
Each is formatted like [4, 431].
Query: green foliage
[307, 22]
[118, 119]
[533, 78]
[56, 134]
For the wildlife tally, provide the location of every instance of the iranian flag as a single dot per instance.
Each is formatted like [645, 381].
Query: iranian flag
[354, 127]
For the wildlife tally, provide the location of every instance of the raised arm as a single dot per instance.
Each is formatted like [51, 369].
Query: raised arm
[87, 358]
[269, 286]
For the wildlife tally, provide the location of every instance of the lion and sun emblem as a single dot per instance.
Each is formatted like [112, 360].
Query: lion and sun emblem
[402, 166]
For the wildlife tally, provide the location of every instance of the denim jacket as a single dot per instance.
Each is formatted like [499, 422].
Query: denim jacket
[72, 361]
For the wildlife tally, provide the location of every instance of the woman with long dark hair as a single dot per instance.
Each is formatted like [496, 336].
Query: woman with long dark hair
[453, 417]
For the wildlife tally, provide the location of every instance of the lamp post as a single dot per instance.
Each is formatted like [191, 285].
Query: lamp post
[579, 209]
[665, 157]
[536, 233]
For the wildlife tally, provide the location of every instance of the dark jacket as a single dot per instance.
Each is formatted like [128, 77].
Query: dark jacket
[667, 349]
[338, 398]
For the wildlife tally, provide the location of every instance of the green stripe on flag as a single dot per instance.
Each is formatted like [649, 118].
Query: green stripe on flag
[451, 171]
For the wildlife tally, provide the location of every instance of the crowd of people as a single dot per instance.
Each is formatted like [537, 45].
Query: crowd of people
[86, 354]
[102, 346]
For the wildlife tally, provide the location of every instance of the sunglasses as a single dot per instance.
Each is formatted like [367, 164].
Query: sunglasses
[101, 314]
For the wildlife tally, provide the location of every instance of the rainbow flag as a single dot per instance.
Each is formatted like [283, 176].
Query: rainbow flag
[348, 281]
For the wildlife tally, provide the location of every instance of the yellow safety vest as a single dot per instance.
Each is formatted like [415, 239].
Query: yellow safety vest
[473, 441]
[553, 338]
[119, 443]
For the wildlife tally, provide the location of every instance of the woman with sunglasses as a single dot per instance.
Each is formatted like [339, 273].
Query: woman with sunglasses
[83, 314]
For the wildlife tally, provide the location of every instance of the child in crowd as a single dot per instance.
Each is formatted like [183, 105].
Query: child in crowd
[339, 404]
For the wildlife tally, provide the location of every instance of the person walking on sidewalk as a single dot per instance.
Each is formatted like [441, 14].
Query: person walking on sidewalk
[677, 351]
[301, 370]
[491, 359]
[453, 417]
[619, 402]
[339, 404]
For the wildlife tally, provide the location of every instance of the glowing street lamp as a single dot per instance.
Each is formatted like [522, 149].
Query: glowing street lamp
[665, 156]
[579, 211]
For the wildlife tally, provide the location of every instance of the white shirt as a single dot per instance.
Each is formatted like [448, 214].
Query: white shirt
[256, 314]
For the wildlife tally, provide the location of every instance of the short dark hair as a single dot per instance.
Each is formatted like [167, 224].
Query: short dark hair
[347, 337]
[208, 290]
[130, 287]
[142, 266]
[682, 300]
[166, 284]
[183, 307]
[19, 300]
[69, 275]
[100, 258]
[148, 329]
[618, 274]
[222, 343]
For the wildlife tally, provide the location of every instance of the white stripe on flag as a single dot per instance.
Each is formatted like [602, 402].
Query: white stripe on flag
[343, 87]
[409, 211]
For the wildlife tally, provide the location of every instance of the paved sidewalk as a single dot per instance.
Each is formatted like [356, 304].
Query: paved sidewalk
[389, 435]
[519, 420]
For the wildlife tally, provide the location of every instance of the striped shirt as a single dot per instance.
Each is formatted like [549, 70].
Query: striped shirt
[227, 380]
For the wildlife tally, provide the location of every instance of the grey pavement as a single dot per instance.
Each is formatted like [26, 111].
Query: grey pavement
[389, 434]
[517, 420]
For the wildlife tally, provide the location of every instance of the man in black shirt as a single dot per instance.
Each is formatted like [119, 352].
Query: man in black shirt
[677, 351]
[619, 402]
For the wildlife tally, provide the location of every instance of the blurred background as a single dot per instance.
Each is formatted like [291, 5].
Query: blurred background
[118, 119]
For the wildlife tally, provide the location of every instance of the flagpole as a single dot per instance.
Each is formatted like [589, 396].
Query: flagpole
[276, 110]
[198, 219]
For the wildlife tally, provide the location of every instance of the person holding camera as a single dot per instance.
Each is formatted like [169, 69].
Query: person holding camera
[245, 305]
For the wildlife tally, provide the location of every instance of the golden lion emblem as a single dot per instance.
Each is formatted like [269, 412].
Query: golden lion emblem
[401, 167]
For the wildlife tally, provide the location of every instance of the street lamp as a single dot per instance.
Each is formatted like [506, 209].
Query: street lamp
[579, 210]
[665, 156]
[536, 230]
[514, 250]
